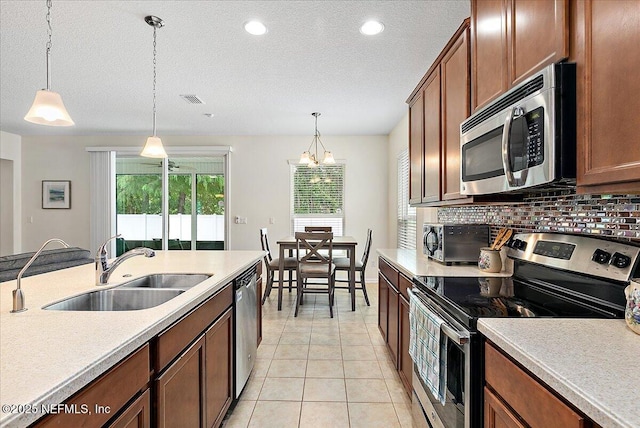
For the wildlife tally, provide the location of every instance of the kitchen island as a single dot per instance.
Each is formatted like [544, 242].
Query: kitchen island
[47, 356]
[590, 363]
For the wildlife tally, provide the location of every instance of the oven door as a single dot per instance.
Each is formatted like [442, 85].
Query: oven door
[456, 412]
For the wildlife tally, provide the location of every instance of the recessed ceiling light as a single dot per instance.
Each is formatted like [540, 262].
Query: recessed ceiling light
[209, 115]
[256, 28]
[371, 28]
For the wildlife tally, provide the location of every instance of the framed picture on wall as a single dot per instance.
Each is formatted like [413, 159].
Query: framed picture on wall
[56, 194]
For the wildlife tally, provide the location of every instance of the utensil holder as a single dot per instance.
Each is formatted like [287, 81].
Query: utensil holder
[489, 260]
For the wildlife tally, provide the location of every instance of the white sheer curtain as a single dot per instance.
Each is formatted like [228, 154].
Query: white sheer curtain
[103, 199]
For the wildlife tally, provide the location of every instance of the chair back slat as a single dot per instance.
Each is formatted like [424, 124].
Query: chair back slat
[264, 242]
[309, 245]
[367, 249]
[317, 228]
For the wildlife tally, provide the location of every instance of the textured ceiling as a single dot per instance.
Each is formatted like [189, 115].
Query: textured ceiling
[313, 58]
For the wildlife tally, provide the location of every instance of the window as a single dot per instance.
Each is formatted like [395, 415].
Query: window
[317, 197]
[406, 213]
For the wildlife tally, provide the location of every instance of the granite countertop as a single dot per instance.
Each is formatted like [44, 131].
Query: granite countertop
[46, 356]
[592, 363]
[412, 262]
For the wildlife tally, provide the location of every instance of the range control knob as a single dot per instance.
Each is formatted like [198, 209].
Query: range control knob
[601, 256]
[518, 244]
[620, 260]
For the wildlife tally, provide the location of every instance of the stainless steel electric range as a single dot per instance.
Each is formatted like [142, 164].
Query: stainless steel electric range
[555, 275]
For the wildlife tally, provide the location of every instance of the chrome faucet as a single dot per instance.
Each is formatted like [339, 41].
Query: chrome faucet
[104, 269]
[18, 295]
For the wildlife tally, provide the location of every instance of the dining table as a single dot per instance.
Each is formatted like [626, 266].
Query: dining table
[347, 243]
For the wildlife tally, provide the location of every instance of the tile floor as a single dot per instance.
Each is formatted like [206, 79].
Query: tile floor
[315, 371]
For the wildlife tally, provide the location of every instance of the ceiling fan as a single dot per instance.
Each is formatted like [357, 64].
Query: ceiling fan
[172, 166]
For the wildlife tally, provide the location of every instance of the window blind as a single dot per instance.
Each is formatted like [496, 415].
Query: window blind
[406, 213]
[317, 197]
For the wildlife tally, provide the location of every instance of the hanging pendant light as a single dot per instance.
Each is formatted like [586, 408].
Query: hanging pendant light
[153, 148]
[311, 159]
[48, 108]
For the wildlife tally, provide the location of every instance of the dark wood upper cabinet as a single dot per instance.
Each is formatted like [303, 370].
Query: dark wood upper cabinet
[513, 39]
[605, 40]
[416, 148]
[456, 107]
[432, 121]
[489, 50]
[437, 106]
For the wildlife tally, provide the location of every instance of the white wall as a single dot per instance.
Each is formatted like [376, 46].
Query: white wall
[10, 153]
[258, 185]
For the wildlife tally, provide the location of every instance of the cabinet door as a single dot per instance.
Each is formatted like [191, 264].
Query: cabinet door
[538, 35]
[179, 390]
[496, 414]
[489, 53]
[431, 185]
[607, 36]
[416, 149]
[456, 107]
[218, 369]
[137, 415]
[383, 305]
[405, 364]
[393, 332]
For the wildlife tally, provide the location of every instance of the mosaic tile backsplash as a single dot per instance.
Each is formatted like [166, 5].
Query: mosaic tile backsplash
[607, 216]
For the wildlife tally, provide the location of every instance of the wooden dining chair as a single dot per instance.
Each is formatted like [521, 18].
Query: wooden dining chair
[313, 263]
[273, 265]
[317, 228]
[343, 264]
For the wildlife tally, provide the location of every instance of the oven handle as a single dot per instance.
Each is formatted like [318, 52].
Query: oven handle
[459, 337]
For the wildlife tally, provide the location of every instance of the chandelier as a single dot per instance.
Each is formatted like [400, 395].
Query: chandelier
[48, 108]
[311, 159]
[153, 148]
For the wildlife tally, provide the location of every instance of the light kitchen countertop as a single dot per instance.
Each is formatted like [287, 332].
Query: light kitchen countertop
[46, 356]
[412, 262]
[592, 363]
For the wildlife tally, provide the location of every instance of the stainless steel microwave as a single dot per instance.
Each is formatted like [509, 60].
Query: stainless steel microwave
[524, 139]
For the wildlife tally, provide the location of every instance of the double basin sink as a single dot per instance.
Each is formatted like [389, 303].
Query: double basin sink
[140, 293]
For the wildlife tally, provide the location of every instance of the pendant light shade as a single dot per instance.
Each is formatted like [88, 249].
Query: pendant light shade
[311, 159]
[153, 148]
[48, 108]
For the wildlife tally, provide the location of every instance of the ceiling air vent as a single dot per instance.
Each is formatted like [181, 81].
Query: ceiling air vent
[192, 99]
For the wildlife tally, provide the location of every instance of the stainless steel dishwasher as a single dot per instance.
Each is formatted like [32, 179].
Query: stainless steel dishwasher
[246, 327]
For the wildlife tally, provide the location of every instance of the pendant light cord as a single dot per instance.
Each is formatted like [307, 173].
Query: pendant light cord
[154, 80]
[49, 31]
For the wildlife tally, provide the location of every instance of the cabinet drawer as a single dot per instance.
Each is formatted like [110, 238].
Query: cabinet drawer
[526, 395]
[173, 341]
[389, 272]
[405, 283]
[112, 390]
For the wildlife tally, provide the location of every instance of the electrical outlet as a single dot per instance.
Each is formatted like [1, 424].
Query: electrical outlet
[272, 220]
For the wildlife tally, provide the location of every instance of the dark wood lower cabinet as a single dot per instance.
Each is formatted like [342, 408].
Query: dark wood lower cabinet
[218, 392]
[405, 363]
[383, 305]
[137, 415]
[178, 390]
[497, 414]
[393, 319]
[392, 334]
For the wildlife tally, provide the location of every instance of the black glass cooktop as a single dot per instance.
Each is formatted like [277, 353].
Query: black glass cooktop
[469, 298]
